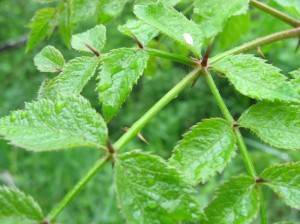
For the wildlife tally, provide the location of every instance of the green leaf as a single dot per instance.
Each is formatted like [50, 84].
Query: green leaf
[236, 201]
[109, 9]
[65, 21]
[296, 80]
[172, 23]
[16, 207]
[82, 9]
[290, 4]
[205, 150]
[141, 31]
[45, 1]
[92, 40]
[254, 78]
[284, 179]
[118, 73]
[211, 18]
[67, 122]
[275, 123]
[165, 2]
[150, 191]
[42, 25]
[74, 77]
[49, 60]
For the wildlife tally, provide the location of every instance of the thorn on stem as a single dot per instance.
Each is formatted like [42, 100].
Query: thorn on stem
[260, 52]
[137, 41]
[259, 180]
[92, 50]
[110, 148]
[206, 56]
[139, 135]
[298, 45]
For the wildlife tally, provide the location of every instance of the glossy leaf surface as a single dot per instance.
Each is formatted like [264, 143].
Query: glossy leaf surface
[276, 123]
[49, 60]
[16, 207]
[204, 150]
[46, 125]
[254, 78]
[94, 38]
[118, 73]
[74, 77]
[236, 202]
[212, 15]
[150, 191]
[284, 179]
[41, 26]
[140, 30]
[172, 23]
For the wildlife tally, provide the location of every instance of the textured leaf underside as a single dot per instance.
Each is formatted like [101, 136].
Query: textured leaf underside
[252, 77]
[67, 122]
[149, 191]
[118, 73]
[236, 201]
[172, 23]
[16, 207]
[284, 179]
[276, 123]
[205, 150]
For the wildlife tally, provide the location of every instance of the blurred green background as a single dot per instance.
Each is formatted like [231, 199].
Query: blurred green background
[49, 176]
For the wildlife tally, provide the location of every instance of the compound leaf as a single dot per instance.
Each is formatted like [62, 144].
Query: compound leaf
[67, 122]
[16, 207]
[284, 179]
[204, 150]
[118, 73]
[157, 193]
[254, 78]
[49, 60]
[236, 201]
[42, 25]
[140, 30]
[212, 15]
[276, 123]
[74, 77]
[92, 40]
[172, 23]
[109, 9]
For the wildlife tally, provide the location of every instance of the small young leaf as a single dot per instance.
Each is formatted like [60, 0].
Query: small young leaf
[16, 207]
[42, 25]
[109, 9]
[205, 150]
[74, 77]
[67, 122]
[172, 23]
[290, 4]
[236, 201]
[276, 123]
[65, 21]
[150, 191]
[284, 179]
[254, 78]
[92, 40]
[211, 18]
[141, 31]
[118, 73]
[49, 60]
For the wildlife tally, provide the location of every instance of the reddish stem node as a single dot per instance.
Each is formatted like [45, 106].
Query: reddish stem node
[206, 56]
[92, 50]
[137, 41]
[260, 180]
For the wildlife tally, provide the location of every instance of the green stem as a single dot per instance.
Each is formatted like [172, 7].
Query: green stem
[258, 43]
[77, 188]
[171, 56]
[263, 214]
[139, 124]
[276, 13]
[240, 141]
